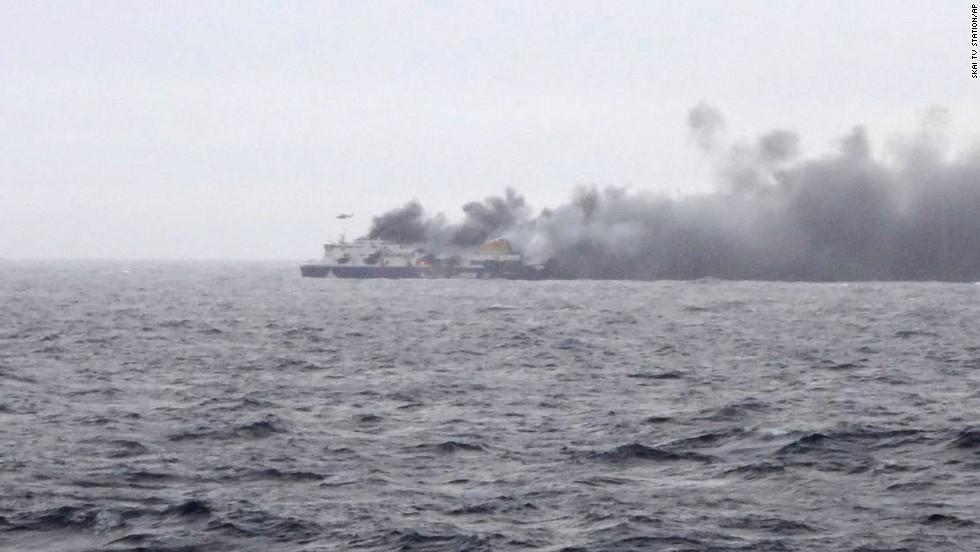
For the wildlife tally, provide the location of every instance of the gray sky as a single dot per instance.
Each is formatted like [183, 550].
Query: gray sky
[240, 129]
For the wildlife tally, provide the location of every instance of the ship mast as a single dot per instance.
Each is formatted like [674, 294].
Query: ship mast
[343, 225]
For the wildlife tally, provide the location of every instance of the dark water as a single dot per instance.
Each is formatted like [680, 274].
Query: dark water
[210, 407]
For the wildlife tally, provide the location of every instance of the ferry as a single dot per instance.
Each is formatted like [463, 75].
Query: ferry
[367, 258]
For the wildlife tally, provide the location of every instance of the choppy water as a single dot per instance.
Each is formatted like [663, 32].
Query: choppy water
[210, 407]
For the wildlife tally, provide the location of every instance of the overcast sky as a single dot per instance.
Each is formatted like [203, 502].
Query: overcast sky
[240, 129]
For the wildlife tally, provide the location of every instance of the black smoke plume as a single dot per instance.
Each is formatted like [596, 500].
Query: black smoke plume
[489, 217]
[407, 224]
[912, 213]
[483, 220]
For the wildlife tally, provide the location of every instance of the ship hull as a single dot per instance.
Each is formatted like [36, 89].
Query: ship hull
[408, 272]
[359, 272]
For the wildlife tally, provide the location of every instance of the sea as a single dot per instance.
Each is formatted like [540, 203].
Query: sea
[235, 406]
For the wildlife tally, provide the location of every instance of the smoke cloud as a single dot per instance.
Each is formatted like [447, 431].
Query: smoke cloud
[912, 214]
[486, 218]
[407, 224]
[483, 220]
[706, 125]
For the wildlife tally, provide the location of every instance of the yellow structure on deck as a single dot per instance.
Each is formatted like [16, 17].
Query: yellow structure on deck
[499, 246]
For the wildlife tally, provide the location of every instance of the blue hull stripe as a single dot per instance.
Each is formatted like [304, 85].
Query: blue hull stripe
[359, 272]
